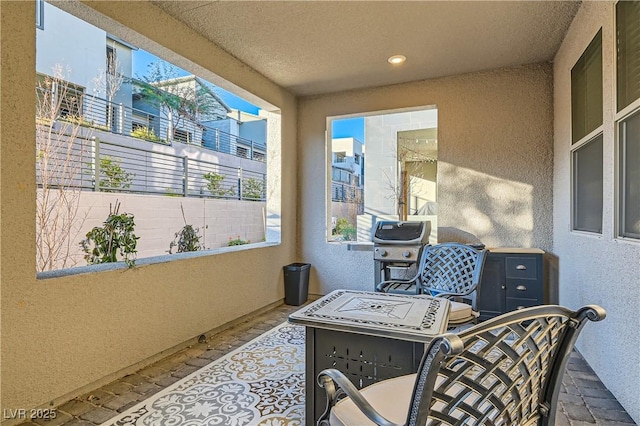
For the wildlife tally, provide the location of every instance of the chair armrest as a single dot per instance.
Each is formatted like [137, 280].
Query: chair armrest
[382, 286]
[328, 379]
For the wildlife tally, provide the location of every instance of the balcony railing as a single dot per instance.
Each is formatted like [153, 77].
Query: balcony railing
[342, 192]
[116, 118]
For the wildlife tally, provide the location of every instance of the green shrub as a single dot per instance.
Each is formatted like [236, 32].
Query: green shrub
[146, 134]
[187, 239]
[252, 189]
[346, 229]
[112, 175]
[350, 233]
[214, 185]
[238, 241]
[115, 237]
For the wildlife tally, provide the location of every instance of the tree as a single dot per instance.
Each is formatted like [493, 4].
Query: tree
[60, 149]
[178, 100]
[407, 177]
[109, 81]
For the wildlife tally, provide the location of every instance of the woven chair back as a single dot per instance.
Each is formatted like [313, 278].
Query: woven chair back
[451, 268]
[506, 371]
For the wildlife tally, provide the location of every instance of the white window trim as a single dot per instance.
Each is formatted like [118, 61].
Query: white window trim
[576, 146]
[619, 116]
[626, 112]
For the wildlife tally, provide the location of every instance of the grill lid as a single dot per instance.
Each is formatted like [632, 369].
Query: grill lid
[398, 232]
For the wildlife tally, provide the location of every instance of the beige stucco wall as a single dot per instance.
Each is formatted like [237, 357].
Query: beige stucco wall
[597, 269]
[494, 163]
[61, 334]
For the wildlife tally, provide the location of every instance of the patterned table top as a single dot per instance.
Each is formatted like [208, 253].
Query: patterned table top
[414, 318]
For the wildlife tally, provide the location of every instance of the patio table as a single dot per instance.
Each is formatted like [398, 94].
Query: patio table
[369, 336]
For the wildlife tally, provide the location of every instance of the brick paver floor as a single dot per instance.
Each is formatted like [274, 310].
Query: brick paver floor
[584, 400]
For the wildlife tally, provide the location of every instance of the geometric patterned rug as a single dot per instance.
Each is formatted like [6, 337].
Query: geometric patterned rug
[259, 384]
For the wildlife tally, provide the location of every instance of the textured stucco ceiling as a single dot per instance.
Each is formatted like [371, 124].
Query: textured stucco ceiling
[315, 47]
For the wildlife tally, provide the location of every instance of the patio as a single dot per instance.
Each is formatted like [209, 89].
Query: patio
[506, 173]
[584, 399]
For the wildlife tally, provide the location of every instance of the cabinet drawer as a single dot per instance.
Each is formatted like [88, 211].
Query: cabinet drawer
[524, 289]
[513, 304]
[521, 267]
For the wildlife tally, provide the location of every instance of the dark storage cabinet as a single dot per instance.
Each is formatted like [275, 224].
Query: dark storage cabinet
[514, 279]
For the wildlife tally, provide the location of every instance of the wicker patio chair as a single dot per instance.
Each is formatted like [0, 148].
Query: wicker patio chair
[451, 270]
[506, 371]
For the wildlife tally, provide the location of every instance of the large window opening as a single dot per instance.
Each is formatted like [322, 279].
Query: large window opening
[382, 167]
[126, 137]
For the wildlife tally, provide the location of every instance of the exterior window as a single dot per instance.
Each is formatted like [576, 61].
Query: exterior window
[586, 91]
[586, 118]
[587, 186]
[628, 95]
[111, 60]
[628, 52]
[630, 177]
[183, 136]
[97, 131]
[40, 14]
[242, 152]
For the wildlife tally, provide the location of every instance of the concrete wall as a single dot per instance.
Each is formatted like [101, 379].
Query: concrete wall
[494, 163]
[158, 218]
[63, 336]
[597, 269]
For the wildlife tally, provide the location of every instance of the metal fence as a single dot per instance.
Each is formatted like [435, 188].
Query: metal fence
[90, 164]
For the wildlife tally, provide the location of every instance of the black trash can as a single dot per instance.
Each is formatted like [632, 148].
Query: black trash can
[296, 283]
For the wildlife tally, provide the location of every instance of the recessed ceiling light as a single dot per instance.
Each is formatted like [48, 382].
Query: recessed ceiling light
[397, 59]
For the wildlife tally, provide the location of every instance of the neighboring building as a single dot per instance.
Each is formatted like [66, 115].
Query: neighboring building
[347, 179]
[180, 117]
[90, 67]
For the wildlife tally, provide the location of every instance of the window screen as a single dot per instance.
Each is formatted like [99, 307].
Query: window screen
[628, 52]
[630, 176]
[586, 91]
[587, 186]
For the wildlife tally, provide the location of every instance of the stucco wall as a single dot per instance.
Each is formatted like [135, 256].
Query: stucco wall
[494, 163]
[596, 269]
[61, 334]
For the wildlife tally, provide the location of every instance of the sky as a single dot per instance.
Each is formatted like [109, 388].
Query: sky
[349, 128]
[344, 128]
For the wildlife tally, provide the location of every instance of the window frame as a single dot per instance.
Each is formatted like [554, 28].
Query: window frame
[581, 64]
[40, 14]
[620, 118]
[621, 161]
[273, 133]
[577, 144]
[591, 138]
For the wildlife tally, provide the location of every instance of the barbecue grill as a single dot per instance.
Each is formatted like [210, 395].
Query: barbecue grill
[397, 249]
